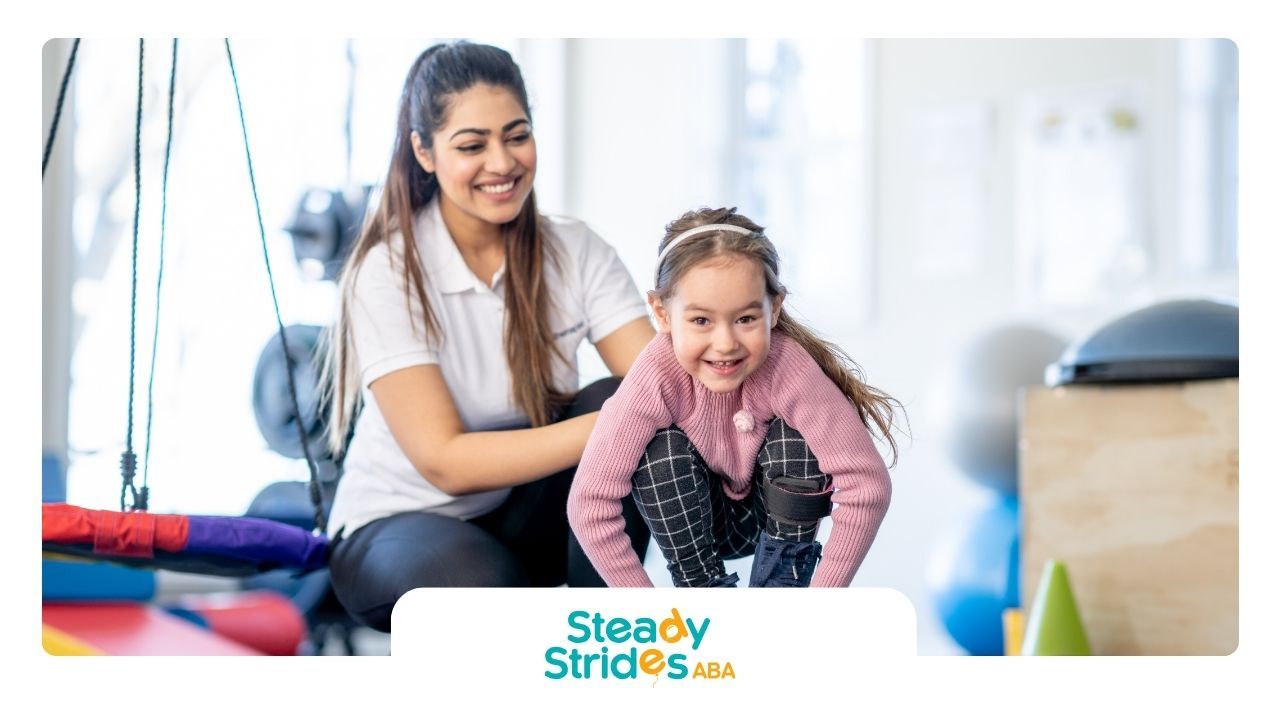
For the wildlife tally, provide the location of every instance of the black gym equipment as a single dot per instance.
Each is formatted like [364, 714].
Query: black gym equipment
[324, 229]
[273, 407]
[1172, 341]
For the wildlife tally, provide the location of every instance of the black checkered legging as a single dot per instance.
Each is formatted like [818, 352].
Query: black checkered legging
[696, 526]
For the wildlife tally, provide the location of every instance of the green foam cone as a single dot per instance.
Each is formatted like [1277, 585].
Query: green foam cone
[1054, 627]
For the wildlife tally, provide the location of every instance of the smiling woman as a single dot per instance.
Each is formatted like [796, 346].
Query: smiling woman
[462, 309]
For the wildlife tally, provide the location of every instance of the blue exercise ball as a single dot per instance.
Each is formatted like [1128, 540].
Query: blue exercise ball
[973, 576]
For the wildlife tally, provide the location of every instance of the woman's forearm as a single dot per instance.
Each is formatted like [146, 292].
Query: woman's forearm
[479, 461]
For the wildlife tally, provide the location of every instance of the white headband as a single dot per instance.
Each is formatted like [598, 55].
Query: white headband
[688, 234]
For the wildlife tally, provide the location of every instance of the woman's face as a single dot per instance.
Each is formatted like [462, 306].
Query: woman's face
[484, 157]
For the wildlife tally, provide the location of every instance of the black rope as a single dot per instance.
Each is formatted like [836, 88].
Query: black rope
[314, 484]
[128, 460]
[155, 332]
[57, 109]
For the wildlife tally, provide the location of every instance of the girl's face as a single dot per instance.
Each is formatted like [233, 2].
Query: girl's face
[720, 318]
[483, 156]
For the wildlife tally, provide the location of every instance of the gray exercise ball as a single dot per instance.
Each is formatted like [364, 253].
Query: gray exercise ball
[976, 404]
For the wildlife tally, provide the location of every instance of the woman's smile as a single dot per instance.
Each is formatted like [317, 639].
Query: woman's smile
[500, 189]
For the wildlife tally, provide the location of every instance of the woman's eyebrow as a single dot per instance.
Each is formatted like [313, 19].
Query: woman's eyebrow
[479, 131]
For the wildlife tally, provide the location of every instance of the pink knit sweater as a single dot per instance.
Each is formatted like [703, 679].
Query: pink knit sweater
[658, 393]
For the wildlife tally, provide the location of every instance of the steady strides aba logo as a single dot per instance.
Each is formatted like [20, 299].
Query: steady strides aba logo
[617, 648]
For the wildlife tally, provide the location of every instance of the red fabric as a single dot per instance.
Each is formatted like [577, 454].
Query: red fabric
[134, 629]
[135, 534]
[263, 620]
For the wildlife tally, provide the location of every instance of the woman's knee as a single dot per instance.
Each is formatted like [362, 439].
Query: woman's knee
[591, 398]
[379, 564]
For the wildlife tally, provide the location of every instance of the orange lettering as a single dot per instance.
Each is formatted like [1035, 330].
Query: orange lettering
[675, 623]
[652, 661]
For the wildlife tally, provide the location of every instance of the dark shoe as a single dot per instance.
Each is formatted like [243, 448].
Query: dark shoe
[784, 563]
[730, 580]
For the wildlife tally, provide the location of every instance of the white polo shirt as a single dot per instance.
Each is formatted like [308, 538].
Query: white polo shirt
[592, 297]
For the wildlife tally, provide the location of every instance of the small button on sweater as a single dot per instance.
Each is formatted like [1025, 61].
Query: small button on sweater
[728, 430]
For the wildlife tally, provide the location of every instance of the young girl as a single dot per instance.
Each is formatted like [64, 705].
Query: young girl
[735, 430]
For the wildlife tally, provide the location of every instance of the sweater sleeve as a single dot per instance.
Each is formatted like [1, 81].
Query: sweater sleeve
[807, 400]
[628, 421]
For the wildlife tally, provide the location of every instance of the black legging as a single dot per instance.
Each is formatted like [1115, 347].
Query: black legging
[524, 542]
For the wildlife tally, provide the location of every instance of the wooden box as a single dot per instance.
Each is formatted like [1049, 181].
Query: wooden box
[1136, 489]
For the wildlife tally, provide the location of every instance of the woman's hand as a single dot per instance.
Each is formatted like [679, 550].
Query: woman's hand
[424, 421]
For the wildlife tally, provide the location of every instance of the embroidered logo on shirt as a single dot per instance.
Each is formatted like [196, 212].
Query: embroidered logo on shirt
[577, 326]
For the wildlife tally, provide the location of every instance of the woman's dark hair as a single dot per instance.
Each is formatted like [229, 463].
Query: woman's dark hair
[874, 406]
[434, 81]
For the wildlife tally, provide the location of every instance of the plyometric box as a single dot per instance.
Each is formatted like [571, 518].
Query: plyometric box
[1136, 489]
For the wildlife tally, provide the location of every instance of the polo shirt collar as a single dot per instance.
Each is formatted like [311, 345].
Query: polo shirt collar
[444, 261]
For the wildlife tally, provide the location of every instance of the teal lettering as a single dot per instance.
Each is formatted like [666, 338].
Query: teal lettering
[574, 617]
[646, 631]
[552, 659]
[629, 659]
[618, 630]
[696, 633]
[677, 670]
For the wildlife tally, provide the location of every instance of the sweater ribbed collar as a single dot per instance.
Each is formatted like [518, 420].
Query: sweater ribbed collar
[740, 398]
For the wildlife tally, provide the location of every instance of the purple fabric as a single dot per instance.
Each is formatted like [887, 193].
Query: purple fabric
[257, 540]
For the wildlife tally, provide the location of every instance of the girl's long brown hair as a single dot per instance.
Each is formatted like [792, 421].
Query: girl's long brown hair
[436, 77]
[874, 406]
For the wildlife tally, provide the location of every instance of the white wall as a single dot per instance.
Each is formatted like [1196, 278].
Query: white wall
[646, 120]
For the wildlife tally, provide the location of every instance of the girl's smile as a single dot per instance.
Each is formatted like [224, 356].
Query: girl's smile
[726, 368]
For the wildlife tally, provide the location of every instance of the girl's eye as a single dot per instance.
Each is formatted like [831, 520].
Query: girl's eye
[470, 148]
[517, 139]
[745, 319]
[700, 321]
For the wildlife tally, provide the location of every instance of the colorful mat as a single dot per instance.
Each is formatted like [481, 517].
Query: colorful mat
[232, 546]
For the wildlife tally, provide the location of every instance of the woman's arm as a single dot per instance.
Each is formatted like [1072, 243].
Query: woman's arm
[620, 348]
[424, 421]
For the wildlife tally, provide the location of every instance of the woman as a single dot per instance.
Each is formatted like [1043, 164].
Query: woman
[462, 310]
